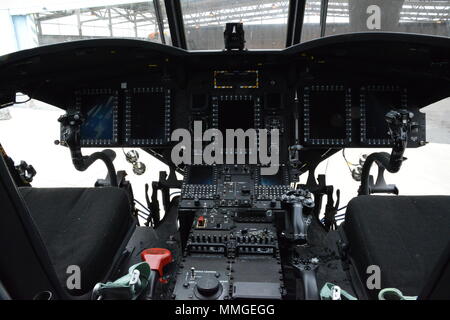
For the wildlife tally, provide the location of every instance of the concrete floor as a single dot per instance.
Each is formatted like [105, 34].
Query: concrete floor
[30, 134]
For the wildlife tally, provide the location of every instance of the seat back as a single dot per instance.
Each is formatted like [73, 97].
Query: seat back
[438, 288]
[404, 236]
[25, 267]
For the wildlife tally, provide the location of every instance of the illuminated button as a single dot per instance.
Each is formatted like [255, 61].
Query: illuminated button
[201, 222]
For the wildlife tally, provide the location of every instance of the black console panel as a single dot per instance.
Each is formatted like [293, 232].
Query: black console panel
[232, 249]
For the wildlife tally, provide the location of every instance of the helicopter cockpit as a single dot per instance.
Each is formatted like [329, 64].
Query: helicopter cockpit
[241, 212]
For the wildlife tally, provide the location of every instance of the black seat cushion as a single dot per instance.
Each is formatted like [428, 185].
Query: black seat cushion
[404, 236]
[80, 226]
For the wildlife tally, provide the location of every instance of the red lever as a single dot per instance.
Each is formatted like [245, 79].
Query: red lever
[157, 258]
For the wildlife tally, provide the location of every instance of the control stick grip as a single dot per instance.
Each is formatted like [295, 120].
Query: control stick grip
[399, 123]
[298, 205]
[71, 125]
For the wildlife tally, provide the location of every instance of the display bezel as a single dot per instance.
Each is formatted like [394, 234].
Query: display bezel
[256, 107]
[128, 118]
[215, 101]
[78, 106]
[369, 141]
[284, 173]
[307, 111]
[188, 172]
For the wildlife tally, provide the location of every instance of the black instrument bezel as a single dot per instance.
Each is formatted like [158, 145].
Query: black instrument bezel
[78, 107]
[306, 115]
[368, 141]
[143, 142]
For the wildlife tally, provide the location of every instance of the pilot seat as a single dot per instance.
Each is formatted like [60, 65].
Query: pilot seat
[407, 237]
[51, 230]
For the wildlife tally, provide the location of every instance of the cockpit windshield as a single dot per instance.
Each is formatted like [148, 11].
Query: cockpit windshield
[199, 24]
[430, 17]
[265, 22]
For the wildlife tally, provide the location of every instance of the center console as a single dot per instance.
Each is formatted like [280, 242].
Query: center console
[232, 249]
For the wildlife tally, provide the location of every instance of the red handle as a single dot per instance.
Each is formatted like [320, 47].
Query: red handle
[157, 258]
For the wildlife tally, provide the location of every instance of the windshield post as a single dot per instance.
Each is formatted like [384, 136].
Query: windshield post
[176, 25]
[159, 20]
[323, 17]
[295, 22]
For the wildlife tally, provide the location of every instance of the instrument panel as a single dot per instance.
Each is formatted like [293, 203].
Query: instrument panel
[329, 115]
[317, 99]
[328, 93]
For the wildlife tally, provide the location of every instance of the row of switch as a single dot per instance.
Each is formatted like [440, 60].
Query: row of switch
[209, 238]
[257, 250]
[254, 240]
[206, 249]
[239, 239]
[269, 193]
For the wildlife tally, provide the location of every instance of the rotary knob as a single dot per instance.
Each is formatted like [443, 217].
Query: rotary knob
[208, 286]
